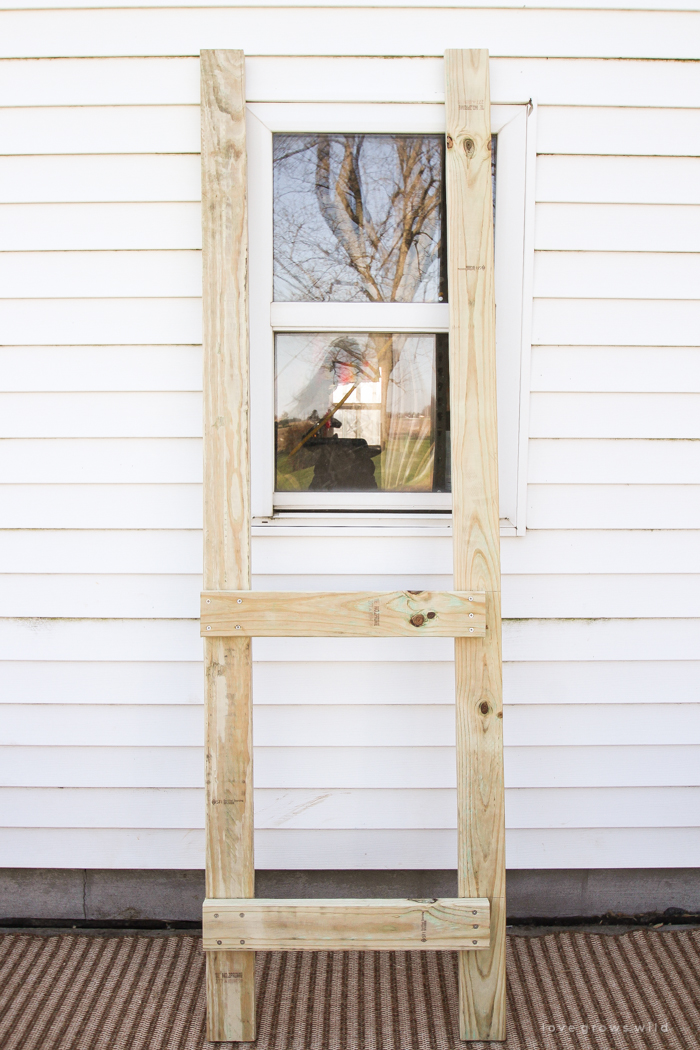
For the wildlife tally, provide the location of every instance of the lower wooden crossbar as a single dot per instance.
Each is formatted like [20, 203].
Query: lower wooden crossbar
[245, 925]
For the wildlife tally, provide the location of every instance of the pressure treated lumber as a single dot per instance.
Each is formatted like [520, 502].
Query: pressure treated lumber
[344, 925]
[357, 614]
[228, 747]
[480, 789]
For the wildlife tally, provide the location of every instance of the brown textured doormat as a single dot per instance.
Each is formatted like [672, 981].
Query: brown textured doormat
[565, 990]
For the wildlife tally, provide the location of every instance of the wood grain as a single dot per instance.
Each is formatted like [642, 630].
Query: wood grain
[358, 614]
[480, 788]
[228, 664]
[344, 925]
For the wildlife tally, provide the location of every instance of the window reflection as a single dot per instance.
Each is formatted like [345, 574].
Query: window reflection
[361, 412]
[359, 218]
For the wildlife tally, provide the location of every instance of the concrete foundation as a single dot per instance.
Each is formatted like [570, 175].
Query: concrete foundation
[108, 896]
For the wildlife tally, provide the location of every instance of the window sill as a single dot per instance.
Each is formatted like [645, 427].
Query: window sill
[292, 523]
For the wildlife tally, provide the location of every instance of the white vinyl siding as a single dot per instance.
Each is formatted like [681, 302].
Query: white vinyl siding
[100, 463]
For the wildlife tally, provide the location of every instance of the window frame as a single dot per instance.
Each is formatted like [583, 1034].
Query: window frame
[512, 271]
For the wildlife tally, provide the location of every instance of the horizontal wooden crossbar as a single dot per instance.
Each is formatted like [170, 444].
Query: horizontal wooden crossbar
[357, 614]
[342, 925]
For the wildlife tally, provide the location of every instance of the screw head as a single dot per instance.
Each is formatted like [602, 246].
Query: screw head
[242, 914]
[238, 627]
[216, 915]
[209, 628]
[243, 942]
[471, 616]
[208, 601]
[473, 913]
[474, 942]
[239, 600]
[476, 925]
[218, 942]
[470, 599]
[471, 630]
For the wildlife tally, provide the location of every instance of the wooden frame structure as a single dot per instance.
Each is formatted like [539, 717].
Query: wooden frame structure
[235, 924]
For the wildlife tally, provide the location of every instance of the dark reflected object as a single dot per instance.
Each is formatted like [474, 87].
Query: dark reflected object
[342, 464]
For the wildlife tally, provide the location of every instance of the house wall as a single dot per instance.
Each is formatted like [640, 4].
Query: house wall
[100, 541]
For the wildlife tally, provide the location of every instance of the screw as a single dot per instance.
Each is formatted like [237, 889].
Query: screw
[470, 599]
[242, 914]
[476, 925]
[208, 601]
[239, 600]
[209, 628]
[474, 942]
[216, 915]
[243, 942]
[218, 942]
[471, 630]
[418, 620]
[471, 615]
[473, 913]
[238, 627]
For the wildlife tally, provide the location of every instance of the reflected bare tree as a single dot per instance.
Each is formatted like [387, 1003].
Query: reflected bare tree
[358, 217]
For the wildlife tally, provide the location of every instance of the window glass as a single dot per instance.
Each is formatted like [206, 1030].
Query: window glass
[362, 412]
[359, 218]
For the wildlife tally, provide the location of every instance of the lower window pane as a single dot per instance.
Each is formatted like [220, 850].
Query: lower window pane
[361, 412]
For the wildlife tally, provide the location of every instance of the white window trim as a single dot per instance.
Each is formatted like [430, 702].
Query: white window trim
[513, 279]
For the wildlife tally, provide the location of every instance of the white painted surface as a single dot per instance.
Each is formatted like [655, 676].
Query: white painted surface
[617, 227]
[98, 226]
[163, 848]
[508, 32]
[100, 466]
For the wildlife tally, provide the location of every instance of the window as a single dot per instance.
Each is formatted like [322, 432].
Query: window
[349, 313]
[359, 218]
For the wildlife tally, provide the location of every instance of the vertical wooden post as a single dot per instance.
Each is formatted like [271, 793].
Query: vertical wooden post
[480, 788]
[229, 764]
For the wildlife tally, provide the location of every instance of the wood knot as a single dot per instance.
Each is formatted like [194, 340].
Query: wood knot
[484, 707]
[418, 620]
[469, 147]
[450, 143]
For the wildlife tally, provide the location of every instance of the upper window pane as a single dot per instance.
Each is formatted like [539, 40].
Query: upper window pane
[359, 218]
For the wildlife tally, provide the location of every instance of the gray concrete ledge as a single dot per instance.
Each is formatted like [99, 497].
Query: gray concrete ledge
[108, 896]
